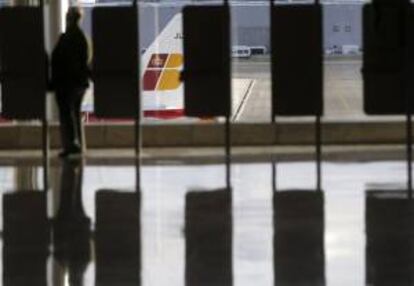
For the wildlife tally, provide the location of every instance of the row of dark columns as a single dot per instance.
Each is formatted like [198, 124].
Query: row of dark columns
[297, 64]
[297, 85]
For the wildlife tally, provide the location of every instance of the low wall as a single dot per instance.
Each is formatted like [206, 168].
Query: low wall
[284, 133]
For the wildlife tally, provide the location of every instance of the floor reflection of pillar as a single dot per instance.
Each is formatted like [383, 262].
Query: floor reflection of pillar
[26, 238]
[118, 238]
[299, 257]
[390, 238]
[208, 231]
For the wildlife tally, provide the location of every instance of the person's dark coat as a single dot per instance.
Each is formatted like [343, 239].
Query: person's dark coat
[70, 61]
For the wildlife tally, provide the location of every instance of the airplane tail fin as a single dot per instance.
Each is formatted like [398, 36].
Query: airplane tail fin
[162, 63]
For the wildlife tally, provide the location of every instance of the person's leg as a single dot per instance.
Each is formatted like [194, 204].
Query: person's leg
[66, 127]
[77, 115]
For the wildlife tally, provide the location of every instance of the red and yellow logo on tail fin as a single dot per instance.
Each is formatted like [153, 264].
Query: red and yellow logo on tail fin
[163, 72]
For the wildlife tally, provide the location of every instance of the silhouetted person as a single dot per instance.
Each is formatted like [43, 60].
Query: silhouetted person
[70, 79]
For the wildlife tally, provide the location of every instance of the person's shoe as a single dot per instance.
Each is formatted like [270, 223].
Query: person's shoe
[73, 152]
[64, 154]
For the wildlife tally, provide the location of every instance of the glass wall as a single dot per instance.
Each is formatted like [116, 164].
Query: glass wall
[251, 97]
[251, 83]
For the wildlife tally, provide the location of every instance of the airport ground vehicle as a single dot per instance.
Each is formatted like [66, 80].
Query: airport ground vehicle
[242, 52]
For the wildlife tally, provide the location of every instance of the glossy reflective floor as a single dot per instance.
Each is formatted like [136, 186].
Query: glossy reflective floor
[185, 228]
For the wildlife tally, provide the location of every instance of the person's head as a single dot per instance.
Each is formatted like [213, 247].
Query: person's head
[74, 16]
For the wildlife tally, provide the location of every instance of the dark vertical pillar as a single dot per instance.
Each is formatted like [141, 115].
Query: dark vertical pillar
[116, 66]
[299, 257]
[390, 238]
[207, 66]
[297, 67]
[26, 238]
[207, 89]
[118, 238]
[388, 63]
[208, 230]
[388, 60]
[116, 61]
[297, 71]
[23, 63]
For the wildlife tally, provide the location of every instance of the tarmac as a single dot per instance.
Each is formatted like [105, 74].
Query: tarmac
[343, 90]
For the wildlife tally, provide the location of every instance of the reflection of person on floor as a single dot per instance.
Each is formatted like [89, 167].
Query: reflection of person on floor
[70, 79]
[71, 227]
[71, 207]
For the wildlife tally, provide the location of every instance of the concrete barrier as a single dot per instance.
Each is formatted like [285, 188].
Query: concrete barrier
[28, 136]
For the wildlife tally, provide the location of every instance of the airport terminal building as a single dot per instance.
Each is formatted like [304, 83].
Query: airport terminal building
[250, 22]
